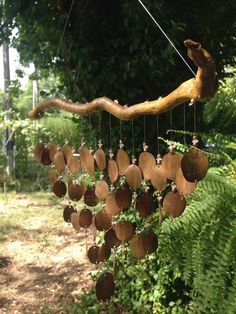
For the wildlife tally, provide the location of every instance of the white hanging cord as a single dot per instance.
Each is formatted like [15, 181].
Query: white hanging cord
[163, 32]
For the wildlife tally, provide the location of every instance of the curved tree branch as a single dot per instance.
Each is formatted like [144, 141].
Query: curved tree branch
[199, 89]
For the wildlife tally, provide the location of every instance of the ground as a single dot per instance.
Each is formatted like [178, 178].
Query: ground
[43, 264]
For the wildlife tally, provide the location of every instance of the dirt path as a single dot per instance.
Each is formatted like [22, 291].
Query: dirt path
[43, 265]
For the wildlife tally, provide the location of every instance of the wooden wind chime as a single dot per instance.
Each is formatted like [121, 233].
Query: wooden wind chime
[122, 182]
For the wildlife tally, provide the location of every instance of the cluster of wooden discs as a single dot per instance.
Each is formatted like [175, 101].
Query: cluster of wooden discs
[120, 185]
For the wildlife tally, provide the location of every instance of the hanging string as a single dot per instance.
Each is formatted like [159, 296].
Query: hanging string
[163, 32]
[110, 129]
[144, 129]
[100, 125]
[171, 125]
[120, 129]
[132, 126]
[90, 132]
[184, 113]
[158, 140]
[194, 118]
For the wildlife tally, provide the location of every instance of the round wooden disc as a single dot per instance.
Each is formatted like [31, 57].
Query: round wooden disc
[52, 150]
[145, 205]
[111, 238]
[74, 165]
[123, 161]
[194, 165]
[74, 219]
[38, 152]
[158, 178]
[100, 159]
[137, 246]
[101, 189]
[93, 254]
[104, 252]
[150, 241]
[59, 161]
[124, 230]
[146, 163]
[105, 287]
[90, 164]
[59, 188]
[112, 170]
[170, 164]
[85, 218]
[68, 210]
[75, 191]
[112, 207]
[174, 204]
[133, 176]
[123, 197]
[45, 157]
[102, 220]
[67, 152]
[182, 185]
[53, 175]
[90, 197]
[84, 154]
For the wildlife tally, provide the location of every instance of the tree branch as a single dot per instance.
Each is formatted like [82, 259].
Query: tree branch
[199, 89]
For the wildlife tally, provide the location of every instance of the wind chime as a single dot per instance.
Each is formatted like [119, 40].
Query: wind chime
[120, 183]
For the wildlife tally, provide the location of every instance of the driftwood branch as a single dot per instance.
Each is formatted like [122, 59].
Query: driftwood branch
[201, 88]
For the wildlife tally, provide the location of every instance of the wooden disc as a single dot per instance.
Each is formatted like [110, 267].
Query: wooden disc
[112, 170]
[133, 176]
[182, 185]
[137, 246]
[170, 164]
[105, 287]
[124, 230]
[146, 163]
[104, 252]
[112, 207]
[101, 189]
[59, 188]
[67, 152]
[90, 197]
[84, 154]
[145, 205]
[158, 178]
[123, 198]
[123, 161]
[102, 220]
[100, 159]
[74, 165]
[85, 218]
[150, 241]
[53, 175]
[174, 204]
[52, 150]
[45, 157]
[59, 161]
[68, 210]
[194, 165]
[75, 191]
[90, 164]
[38, 149]
[111, 238]
[74, 219]
[93, 254]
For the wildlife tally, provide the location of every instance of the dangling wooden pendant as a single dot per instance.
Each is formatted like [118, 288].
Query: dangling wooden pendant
[112, 207]
[122, 160]
[92, 254]
[52, 150]
[123, 197]
[137, 246]
[158, 178]
[59, 188]
[174, 204]
[67, 152]
[59, 161]
[124, 230]
[68, 210]
[74, 165]
[102, 220]
[105, 287]
[171, 163]
[146, 163]
[100, 157]
[145, 205]
[53, 175]
[111, 238]
[38, 152]
[133, 175]
[85, 218]
[112, 169]
[75, 191]
[104, 252]
[183, 186]
[150, 241]
[74, 219]
[90, 197]
[194, 165]
[101, 189]
[90, 164]
[45, 157]
[84, 155]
